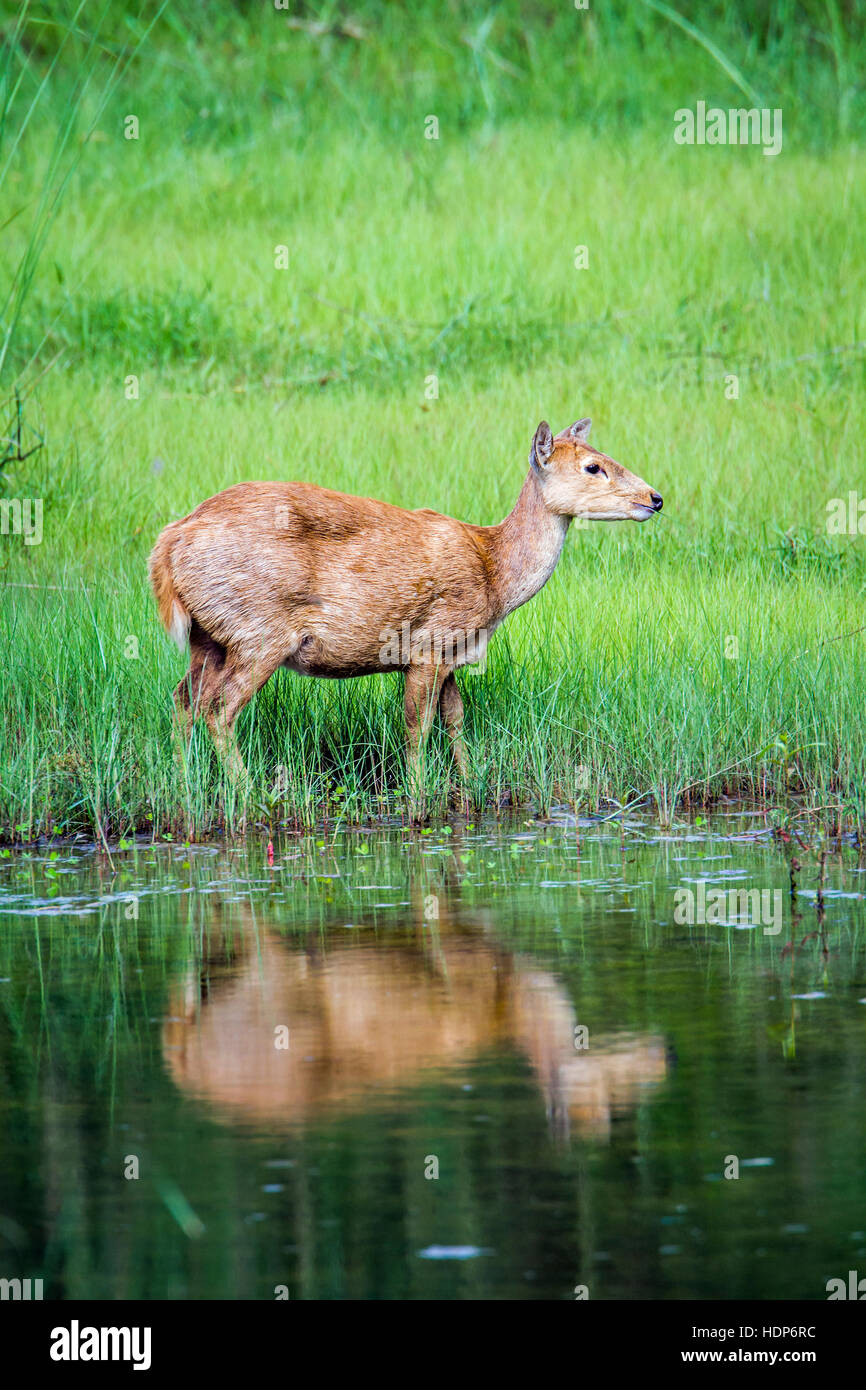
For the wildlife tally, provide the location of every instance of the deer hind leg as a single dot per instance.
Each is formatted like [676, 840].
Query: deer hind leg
[198, 687]
[423, 687]
[238, 682]
[451, 705]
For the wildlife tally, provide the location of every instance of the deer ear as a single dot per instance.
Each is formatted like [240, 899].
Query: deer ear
[579, 431]
[542, 446]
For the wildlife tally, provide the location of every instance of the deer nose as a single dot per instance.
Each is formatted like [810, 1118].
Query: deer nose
[656, 501]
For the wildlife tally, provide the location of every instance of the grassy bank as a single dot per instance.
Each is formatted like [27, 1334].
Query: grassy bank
[715, 649]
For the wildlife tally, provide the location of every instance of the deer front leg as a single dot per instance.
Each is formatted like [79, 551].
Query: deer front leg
[423, 684]
[451, 705]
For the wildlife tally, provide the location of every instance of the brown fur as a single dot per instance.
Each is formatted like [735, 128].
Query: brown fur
[290, 574]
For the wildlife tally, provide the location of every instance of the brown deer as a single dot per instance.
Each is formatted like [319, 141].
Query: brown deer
[290, 574]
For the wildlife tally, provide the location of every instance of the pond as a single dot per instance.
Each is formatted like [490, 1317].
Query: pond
[500, 1060]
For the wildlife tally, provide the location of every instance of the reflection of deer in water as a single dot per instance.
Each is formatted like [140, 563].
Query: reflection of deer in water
[366, 1019]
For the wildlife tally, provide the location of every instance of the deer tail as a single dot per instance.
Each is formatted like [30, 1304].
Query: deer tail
[173, 615]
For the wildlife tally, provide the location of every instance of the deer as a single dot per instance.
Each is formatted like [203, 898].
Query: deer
[289, 574]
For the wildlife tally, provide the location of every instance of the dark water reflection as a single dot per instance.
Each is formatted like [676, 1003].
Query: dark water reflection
[288, 1053]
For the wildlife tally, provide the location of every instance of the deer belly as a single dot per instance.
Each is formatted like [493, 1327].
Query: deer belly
[333, 651]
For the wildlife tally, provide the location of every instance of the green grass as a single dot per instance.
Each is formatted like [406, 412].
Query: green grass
[454, 257]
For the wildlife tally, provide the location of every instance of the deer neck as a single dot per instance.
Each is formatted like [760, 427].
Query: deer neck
[524, 549]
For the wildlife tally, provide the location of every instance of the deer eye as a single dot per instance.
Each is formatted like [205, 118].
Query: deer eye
[593, 468]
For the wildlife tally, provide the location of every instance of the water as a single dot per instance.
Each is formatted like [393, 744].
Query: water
[225, 1078]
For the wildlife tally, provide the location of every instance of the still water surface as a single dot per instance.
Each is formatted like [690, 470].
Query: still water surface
[288, 1054]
